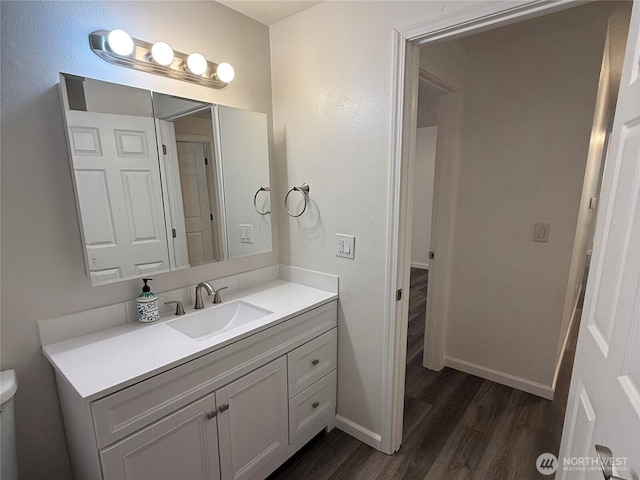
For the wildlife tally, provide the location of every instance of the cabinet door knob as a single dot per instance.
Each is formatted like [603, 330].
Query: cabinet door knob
[316, 404]
[223, 408]
[212, 415]
[315, 362]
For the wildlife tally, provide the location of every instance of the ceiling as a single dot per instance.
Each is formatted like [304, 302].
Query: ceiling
[269, 11]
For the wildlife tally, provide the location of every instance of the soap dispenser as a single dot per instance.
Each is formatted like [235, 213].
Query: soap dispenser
[147, 304]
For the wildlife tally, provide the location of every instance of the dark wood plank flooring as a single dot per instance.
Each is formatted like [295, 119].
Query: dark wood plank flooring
[456, 426]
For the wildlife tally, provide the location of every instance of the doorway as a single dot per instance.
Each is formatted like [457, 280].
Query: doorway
[502, 241]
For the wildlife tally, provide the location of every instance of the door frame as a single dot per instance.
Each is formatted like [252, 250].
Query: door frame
[406, 58]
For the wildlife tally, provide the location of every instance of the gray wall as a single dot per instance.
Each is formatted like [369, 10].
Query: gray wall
[43, 273]
[528, 111]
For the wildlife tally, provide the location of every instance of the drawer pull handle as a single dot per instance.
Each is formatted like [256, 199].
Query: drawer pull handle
[316, 404]
[315, 362]
[223, 408]
[212, 415]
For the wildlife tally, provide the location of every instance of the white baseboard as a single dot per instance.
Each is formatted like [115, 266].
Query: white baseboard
[423, 266]
[566, 338]
[535, 388]
[358, 431]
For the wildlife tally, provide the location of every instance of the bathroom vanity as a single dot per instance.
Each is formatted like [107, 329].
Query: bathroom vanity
[174, 401]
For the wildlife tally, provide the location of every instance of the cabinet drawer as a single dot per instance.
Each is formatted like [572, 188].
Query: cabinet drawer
[126, 411]
[310, 409]
[312, 361]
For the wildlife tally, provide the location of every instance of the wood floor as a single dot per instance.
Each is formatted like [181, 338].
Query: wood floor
[456, 426]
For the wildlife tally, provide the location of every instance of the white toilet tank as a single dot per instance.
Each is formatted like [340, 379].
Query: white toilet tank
[8, 457]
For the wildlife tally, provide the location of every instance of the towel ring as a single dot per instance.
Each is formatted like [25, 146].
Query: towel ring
[255, 198]
[304, 189]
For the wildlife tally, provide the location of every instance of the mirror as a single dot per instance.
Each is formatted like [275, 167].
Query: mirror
[164, 183]
[243, 148]
[185, 132]
[112, 144]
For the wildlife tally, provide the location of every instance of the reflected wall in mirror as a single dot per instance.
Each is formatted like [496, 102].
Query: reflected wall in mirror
[114, 160]
[243, 147]
[164, 183]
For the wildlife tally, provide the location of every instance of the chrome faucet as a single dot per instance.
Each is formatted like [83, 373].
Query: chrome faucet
[179, 306]
[216, 295]
[199, 302]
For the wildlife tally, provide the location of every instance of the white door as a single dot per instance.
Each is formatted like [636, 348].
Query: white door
[181, 446]
[119, 194]
[604, 399]
[195, 198]
[253, 422]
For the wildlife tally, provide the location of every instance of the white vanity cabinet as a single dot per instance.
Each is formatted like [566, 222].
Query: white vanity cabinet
[237, 412]
[181, 445]
[252, 422]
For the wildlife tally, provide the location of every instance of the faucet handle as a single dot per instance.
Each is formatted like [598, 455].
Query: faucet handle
[179, 306]
[216, 295]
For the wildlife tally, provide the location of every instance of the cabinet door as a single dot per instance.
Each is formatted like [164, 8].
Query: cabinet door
[253, 422]
[183, 445]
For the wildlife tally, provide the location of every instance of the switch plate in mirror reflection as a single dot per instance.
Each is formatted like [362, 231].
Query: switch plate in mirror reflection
[157, 178]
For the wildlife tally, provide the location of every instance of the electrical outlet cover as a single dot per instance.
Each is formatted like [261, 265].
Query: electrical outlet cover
[541, 232]
[246, 233]
[345, 245]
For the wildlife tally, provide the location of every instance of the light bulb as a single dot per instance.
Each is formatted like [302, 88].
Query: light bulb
[162, 54]
[196, 64]
[120, 42]
[225, 72]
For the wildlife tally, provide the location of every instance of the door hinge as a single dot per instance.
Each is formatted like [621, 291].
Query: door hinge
[206, 161]
[399, 295]
[211, 216]
[432, 255]
[174, 233]
[164, 149]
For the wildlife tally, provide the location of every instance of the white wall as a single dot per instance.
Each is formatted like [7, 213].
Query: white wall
[424, 170]
[446, 61]
[194, 126]
[332, 80]
[42, 264]
[529, 106]
[105, 97]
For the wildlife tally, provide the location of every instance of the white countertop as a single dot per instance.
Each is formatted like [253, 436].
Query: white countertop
[106, 361]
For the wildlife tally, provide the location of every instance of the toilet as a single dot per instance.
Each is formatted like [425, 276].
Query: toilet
[8, 457]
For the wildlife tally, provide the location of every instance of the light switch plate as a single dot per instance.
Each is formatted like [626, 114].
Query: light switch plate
[541, 232]
[345, 245]
[246, 233]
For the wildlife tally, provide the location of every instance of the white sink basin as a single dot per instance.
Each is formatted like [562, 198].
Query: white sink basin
[219, 318]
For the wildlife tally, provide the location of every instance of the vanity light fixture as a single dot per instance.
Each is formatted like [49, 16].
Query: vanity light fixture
[162, 54]
[225, 72]
[118, 47]
[196, 64]
[120, 42]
